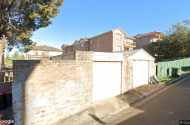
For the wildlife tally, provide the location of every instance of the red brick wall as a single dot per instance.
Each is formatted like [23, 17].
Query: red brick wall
[103, 43]
[94, 45]
[51, 90]
[5, 87]
[144, 41]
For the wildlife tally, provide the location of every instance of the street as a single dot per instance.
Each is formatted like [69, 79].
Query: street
[167, 108]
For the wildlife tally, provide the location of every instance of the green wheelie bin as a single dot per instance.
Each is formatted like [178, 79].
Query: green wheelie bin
[175, 71]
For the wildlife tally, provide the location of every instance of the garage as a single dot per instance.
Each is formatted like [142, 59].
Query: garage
[140, 66]
[140, 73]
[106, 80]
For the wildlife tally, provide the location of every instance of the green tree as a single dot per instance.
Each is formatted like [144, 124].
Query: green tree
[19, 18]
[176, 43]
[9, 60]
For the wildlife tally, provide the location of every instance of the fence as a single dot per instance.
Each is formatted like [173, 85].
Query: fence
[164, 68]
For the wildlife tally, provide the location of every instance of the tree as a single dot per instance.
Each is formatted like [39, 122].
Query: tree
[176, 43]
[9, 60]
[19, 18]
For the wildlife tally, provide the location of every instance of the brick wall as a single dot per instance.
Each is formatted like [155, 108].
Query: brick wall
[125, 85]
[144, 41]
[102, 43]
[152, 68]
[5, 87]
[106, 43]
[47, 91]
[130, 74]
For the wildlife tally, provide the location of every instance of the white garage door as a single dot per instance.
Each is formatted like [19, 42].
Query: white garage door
[140, 73]
[106, 80]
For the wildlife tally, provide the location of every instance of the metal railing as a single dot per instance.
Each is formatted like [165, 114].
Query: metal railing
[129, 44]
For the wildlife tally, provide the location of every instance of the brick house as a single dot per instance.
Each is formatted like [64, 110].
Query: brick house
[43, 52]
[111, 41]
[143, 39]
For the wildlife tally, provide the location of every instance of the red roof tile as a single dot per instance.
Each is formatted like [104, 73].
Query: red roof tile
[147, 34]
[46, 48]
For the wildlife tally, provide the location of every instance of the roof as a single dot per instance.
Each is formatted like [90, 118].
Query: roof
[108, 32]
[132, 52]
[76, 41]
[46, 48]
[132, 38]
[147, 34]
[129, 52]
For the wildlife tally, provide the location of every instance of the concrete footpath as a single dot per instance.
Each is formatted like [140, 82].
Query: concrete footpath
[106, 111]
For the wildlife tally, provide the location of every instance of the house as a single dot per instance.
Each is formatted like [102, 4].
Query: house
[143, 39]
[43, 52]
[111, 41]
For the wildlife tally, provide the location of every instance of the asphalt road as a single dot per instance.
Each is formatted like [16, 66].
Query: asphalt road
[167, 108]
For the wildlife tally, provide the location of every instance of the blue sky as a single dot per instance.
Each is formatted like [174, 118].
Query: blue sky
[87, 18]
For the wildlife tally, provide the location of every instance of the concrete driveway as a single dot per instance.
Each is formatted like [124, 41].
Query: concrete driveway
[166, 108]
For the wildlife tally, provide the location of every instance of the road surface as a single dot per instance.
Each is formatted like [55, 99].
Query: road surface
[167, 108]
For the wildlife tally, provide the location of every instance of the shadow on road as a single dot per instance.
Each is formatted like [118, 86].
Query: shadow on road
[97, 119]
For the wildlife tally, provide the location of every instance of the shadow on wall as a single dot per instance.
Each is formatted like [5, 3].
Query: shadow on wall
[47, 91]
[22, 70]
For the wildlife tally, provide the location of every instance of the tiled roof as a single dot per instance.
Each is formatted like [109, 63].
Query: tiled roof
[46, 48]
[148, 34]
[77, 41]
[108, 32]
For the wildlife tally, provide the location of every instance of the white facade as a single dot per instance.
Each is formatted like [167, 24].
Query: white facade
[40, 54]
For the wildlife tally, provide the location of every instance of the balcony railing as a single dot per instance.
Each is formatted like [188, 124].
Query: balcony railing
[129, 44]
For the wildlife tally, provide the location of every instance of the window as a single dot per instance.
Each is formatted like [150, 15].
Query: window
[82, 44]
[118, 36]
[139, 39]
[118, 48]
[39, 52]
[32, 52]
[91, 41]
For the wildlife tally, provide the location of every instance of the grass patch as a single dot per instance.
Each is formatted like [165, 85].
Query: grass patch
[168, 79]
